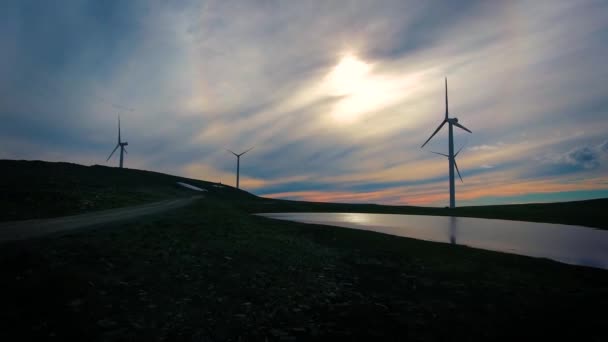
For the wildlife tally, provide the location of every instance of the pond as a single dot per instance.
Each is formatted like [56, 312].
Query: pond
[574, 245]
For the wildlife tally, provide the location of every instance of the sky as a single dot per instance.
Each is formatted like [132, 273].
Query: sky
[336, 97]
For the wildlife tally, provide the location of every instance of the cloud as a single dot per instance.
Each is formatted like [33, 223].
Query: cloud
[584, 157]
[336, 97]
[485, 147]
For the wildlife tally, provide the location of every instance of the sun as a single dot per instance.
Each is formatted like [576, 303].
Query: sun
[363, 88]
[359, 89]
[347, 77]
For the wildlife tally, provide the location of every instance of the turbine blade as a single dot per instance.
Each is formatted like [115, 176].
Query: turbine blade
[115, 148]
[125, 149]
[251, 148]
[432, 135]
[441, 154]
[455, 164]
[460, 149]
[446, 98]
[232, 152]
[461, 126]
[119, 129]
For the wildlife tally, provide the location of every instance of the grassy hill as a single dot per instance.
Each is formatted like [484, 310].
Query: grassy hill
[37, 189]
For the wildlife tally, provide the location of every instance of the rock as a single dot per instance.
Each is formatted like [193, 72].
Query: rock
[384, 307]
[106, 323]
[75, 303]
[277, 332]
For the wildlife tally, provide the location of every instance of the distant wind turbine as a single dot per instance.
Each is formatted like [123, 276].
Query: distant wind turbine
[451, 156]
[455, 164]
[120, 144]
[238, 163]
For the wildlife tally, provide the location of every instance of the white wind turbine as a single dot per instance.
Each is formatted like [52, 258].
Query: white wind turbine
[451, 156]
[120, 144]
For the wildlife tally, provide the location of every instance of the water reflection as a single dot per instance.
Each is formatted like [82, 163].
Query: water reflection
[453, 227]
[569, 244]
[355, 218]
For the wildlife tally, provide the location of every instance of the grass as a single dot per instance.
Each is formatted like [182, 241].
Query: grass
[213, 272]
[37, 189]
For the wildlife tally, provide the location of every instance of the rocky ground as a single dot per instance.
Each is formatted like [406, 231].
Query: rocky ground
[212, 272]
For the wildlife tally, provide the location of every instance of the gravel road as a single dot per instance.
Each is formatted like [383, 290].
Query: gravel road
[21, 230]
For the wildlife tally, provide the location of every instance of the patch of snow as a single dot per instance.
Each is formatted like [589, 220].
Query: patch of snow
[191, 187]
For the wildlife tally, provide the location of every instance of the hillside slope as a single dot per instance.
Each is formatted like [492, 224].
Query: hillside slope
[38, 189]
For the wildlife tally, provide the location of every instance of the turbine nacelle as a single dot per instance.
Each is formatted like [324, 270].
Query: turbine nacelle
[450, 121]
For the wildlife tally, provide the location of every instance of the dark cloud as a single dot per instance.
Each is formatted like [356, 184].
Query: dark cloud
[431, 22]
[585, 157]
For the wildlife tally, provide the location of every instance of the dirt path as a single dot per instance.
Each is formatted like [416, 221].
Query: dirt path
[21, 230]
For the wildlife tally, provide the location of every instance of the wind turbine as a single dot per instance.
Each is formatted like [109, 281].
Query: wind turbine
[455, 164]
[238, 163]
[451, 156]
[120, 144]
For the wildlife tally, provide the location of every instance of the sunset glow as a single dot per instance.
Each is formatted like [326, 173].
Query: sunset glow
[336, 103]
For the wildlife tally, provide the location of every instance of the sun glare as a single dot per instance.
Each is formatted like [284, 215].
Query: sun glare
[360, 90]
[348, 75]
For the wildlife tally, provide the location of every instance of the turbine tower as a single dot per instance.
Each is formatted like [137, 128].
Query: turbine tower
[451, 156]
[120, 144]
[238, 163]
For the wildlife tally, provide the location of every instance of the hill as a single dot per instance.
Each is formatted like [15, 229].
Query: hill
[38, 189]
